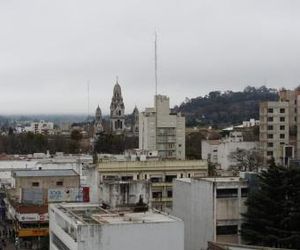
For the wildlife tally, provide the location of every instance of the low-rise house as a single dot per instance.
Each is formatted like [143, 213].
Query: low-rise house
[32, 190]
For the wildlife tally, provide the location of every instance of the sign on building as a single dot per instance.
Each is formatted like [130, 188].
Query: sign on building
[28, 217]
[68, 194]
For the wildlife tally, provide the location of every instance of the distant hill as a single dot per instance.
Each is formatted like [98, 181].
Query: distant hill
[226, 108]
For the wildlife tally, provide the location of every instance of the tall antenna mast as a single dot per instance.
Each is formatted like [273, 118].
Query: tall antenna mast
[88, 103]
[155, 61]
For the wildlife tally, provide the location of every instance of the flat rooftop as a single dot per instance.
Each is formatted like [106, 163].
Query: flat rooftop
[94, 214]
[223, 179]
[219, 179]
[230, 246]
[44, 173]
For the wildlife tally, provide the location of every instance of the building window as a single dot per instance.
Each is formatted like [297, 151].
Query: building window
[270, 110]
[270, 136]
[189, 175]
[156, 195]
[179, 145]
[282, 127]
[169, 193]
[155, 179]
[282, 136]
[282, 119]
[270, 127]
[269, 153]
[181, 175]
[59, 183]
[270, 144]
[282, 143]
[270, 119]
[227, 230]
[244, 192]
[127, 178]
[282, 111]
[170, 178]
[138, 177]
[145, 177]
[35, 184]
[227, 193]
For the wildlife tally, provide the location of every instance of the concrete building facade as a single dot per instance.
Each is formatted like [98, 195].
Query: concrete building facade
[27, 201]
[218, 151]
[274, 133]
[89, 227]
[161, 130]
[41, 127]
[210, 208]
[125, 193]
[160, 173]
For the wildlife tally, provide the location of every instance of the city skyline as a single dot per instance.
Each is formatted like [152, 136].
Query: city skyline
[48, 57]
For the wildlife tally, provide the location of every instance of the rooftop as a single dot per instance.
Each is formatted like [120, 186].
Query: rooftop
[94, 214]
[219, 179]
[229, 246]
[223, 179]
[44, 173]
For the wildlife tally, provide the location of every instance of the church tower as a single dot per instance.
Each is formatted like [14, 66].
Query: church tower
[98, 121]
[117, 111]
[135, 121]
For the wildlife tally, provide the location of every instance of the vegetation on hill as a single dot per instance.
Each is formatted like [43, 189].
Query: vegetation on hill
[226, 108]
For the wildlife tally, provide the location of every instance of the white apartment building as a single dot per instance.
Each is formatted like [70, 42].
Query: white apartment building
[41, 127]
[89, 227]
[210, 208]
[218, 151]
[162, 131]
[274, 133]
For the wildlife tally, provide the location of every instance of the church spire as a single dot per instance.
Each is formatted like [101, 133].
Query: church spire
[117, 109]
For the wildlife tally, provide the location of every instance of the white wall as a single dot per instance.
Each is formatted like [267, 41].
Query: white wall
[160, 235]
[220, 153]
[193, 203]
[111, 193]
[141, 236]
[226, 148]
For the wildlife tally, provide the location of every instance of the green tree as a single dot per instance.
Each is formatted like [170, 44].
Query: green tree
[272, 217]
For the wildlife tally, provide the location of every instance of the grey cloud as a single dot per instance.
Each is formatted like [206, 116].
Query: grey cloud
[50, 49]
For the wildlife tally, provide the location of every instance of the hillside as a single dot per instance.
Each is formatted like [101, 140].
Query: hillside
[225, 108]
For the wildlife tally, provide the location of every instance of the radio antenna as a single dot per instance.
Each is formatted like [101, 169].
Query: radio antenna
[155, 62]
[88, 99]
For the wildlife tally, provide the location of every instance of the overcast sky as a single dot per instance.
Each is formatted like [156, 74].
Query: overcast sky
[49, 50]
